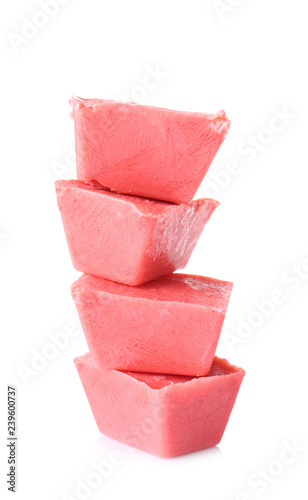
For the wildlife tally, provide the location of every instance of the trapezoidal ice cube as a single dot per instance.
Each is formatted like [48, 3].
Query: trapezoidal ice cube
[143, 150]
[166, 415]
[126, 238]
[169, 325]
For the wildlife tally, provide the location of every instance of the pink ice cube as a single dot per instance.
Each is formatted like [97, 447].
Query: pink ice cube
[166, 415]
[125, 238]
[143, 150]
[170, 325]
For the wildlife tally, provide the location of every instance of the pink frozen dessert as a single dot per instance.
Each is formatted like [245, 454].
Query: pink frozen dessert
[169, 325]
[126, 238]
[166, 415]
[143, 150]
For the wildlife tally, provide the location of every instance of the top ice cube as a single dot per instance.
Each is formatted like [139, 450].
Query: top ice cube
[143, 150]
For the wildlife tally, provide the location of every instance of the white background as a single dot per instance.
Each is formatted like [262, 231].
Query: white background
[250, 60]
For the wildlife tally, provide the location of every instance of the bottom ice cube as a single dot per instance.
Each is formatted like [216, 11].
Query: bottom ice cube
[166, 415]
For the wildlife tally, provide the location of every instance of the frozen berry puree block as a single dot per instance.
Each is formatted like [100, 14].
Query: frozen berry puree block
[125, 238]
[166, 415]
[170, 325]
[146, 151]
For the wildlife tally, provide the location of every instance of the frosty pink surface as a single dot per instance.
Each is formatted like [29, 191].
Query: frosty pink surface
[125, 238]
[169, 325]
[143, 150]
[166, 415]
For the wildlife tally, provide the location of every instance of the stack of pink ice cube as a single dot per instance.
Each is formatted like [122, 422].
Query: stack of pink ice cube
[151, 376]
